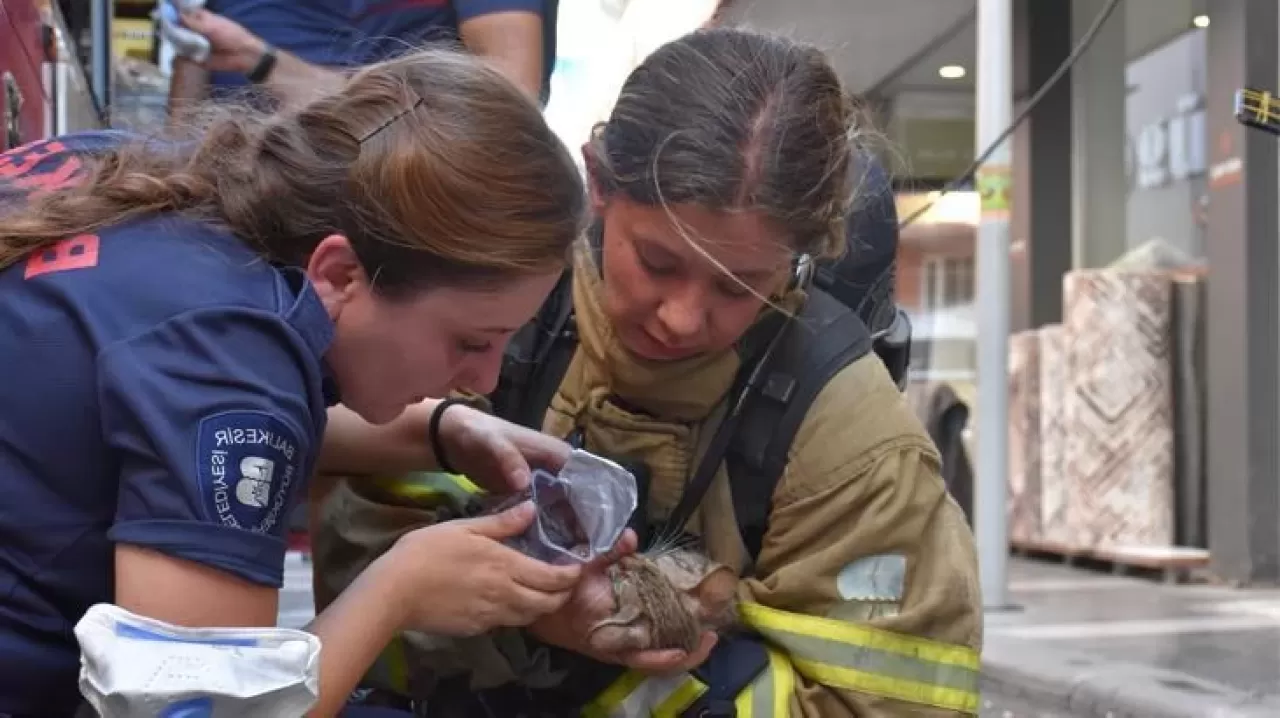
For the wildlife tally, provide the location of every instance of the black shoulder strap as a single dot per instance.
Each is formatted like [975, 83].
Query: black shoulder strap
[825, 338]
[769, 401]
[537, 358]
[770, 398]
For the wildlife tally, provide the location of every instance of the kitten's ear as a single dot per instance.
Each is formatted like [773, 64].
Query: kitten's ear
[717, 594]
[686, 570]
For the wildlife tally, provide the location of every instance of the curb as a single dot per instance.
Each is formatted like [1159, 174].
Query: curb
[1088, 685]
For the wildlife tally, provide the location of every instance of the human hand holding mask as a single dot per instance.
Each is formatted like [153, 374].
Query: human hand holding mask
[582, 511]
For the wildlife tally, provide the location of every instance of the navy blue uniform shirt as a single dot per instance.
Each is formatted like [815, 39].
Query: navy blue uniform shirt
[162, 387]
[318, 31]
[386, 28]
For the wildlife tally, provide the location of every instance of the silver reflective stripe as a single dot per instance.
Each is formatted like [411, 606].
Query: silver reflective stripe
[870, 660]
[659, 697]
[867, 659]
[769, 695]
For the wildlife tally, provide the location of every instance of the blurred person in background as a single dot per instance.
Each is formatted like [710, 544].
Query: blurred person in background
[305, 33]
[295, 49]
[517, 36]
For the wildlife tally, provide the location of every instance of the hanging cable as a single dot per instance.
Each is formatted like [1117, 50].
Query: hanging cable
[1023, 114]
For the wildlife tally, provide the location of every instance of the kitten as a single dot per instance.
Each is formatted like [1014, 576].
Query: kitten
[666, 599]
[663, 598]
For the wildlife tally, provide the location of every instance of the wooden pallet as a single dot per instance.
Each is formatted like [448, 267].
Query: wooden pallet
[1171, 564]
[1052, 551]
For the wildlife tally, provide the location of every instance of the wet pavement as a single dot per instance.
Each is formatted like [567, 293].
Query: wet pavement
[296, 605]
[998, 702]
[1227, 635]
[1110, 644]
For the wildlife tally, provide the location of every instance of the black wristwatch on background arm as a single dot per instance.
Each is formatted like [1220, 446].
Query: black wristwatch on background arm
[266, 64]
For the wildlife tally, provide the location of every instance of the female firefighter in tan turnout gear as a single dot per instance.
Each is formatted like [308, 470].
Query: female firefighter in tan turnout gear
[724, 164]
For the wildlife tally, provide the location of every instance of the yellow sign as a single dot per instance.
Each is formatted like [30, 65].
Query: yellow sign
[995, 185]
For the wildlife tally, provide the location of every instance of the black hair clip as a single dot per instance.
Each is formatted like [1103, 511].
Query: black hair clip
[392, 119]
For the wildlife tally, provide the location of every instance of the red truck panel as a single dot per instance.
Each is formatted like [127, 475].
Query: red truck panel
[22, 65]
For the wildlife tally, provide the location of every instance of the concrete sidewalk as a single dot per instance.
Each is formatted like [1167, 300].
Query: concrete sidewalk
[297, 604]
[1092, 644]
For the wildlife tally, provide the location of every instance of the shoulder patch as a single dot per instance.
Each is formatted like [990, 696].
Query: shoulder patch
[873, 578]
[247, 463]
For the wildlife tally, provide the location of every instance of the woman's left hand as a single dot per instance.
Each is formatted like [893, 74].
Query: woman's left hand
[495, 454]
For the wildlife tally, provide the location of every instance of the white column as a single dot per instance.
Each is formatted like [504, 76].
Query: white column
[994, 114]
[101, 13]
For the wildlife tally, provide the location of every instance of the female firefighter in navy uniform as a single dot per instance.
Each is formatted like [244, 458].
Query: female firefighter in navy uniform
[724, 167]
[179, 319]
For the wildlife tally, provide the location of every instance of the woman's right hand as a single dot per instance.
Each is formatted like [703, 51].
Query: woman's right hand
[593, 601]
[457, 579]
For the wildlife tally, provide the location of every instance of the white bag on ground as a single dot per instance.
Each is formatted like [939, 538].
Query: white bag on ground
[132, 666]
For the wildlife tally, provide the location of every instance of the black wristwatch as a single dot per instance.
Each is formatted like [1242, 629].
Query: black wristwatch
[265, 65]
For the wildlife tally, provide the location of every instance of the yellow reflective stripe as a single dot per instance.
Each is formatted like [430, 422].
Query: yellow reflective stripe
[760, 616]
[428, 490]
[784, 683]
[896, 688]
[689, 690]
[430, 487]
[872, 660]
[398, 665]
[464, 484]
[769, 695]
[613, 696]
[391, 669]
[412, 490]
[745, 704]
[633, 695]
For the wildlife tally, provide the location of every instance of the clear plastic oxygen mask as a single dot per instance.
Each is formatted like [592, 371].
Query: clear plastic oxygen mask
[581, 511]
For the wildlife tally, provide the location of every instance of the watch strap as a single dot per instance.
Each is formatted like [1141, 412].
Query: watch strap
[265, 65]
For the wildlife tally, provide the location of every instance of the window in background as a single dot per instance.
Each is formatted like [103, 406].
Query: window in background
[947, 282]
[1166, 144]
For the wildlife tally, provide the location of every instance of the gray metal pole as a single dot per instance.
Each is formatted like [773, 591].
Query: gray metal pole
[994, 113]
[100, 14]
